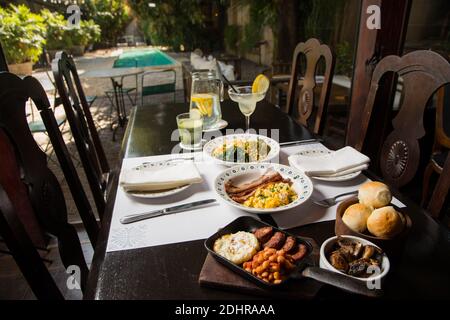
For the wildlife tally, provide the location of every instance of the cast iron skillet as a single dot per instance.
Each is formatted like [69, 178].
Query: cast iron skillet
[306, 267]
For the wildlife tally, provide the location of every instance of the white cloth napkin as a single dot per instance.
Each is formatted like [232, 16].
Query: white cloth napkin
[343, 161]
[160, 178]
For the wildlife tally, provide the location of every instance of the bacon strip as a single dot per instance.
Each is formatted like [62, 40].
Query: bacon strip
[271, 176]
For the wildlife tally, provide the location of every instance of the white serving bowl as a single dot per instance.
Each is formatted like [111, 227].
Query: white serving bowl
[243, 173]
[210, 146]
[325, 264]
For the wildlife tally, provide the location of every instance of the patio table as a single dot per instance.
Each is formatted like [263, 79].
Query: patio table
[155, 272]
[114, 74]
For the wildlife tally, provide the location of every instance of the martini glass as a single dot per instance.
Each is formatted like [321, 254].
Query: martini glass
[247, 101]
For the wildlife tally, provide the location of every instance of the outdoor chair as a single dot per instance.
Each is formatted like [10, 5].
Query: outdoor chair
[89, 146]
[32, 203]
[151, 86]
[423, 73]
[37, 125]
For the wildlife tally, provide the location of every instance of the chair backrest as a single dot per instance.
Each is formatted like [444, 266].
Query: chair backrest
[26, 256]
[3, 62]
[82, 126]
[443, 118]
[150, 85]
[423, 73]
[26, 168]
[313, 51]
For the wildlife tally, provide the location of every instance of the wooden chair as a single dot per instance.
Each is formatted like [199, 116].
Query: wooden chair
[31, 192]
[423, 73]
[313, 51]
[82, 125]
[441, 144]
[26, 256]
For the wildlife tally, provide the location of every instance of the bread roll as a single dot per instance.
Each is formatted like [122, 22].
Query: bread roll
[374, 194]
[385, 222]
[355, 217]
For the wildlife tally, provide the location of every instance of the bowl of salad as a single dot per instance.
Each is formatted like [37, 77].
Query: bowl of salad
[231, 150]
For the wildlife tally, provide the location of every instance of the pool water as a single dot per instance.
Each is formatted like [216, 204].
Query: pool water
[143, 58]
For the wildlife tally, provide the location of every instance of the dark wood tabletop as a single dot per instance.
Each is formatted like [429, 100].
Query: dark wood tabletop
[422, 271]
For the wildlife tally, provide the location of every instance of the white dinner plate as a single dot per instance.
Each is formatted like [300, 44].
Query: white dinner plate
[247, 172]
[157, 194]
[210, 146]
[320, 151]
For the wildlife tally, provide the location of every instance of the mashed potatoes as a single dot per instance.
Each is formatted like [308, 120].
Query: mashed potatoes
[273, 195]
[237, 247]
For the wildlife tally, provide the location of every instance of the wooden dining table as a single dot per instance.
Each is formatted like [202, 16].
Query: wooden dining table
[421, 271]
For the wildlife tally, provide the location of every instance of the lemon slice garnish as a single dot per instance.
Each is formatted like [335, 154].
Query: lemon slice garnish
[261, 84]
[204, 104]
[195, 114]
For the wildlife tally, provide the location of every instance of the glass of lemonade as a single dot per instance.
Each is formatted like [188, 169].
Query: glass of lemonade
[190, 126]
[246, 100]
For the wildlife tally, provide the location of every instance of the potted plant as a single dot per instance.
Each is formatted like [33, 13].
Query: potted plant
[61, 37]
[22, 35]
[56, 29]
[88, 32]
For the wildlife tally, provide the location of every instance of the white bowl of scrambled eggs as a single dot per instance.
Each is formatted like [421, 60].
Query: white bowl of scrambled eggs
[263, 187]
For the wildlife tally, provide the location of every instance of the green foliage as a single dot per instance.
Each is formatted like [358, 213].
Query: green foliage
[59, 36]
[88, 32]
[231, 37]
[344, 56]
[173, 23]
[22, 34]
[56, 29]
[323, 18]
[112, 16]
[262, 13]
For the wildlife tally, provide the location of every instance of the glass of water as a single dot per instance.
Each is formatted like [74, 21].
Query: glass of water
[190, 126]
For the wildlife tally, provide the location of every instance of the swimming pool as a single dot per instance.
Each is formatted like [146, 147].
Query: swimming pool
[143, 58]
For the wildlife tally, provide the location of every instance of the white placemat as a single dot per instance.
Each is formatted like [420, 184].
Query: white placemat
[184, 226]
[201, 223]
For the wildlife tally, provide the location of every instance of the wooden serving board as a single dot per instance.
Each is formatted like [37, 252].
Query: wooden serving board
[216, 275]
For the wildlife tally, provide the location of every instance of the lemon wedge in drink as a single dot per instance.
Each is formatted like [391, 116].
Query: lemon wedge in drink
[195, 114]
[260, 84]
[204, 103]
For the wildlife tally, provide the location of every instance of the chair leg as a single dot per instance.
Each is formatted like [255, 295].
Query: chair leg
[426, 183]
[111, 110]
[131, 100]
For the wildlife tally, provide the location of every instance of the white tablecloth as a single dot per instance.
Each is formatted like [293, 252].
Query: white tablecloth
[201, 223]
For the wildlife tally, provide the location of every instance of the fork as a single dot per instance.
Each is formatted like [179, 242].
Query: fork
[329, 202]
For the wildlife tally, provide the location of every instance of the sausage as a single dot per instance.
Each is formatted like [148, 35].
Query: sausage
[263, 234]
[300, 253]
[289, 244]
[276, 241]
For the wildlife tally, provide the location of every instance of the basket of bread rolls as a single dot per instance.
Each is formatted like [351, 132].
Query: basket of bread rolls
[371, 216]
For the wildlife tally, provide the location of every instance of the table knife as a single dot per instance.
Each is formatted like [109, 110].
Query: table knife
[293, 143]
[165, 211]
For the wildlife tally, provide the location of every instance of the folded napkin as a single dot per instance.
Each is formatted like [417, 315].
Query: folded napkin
[340, 162]
[160, 178]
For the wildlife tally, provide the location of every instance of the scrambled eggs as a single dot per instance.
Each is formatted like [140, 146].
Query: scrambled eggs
[273, 195]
